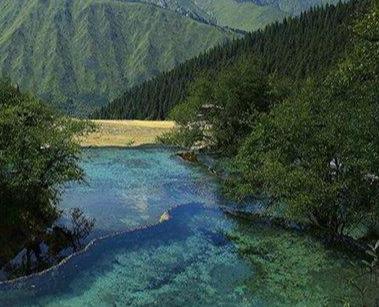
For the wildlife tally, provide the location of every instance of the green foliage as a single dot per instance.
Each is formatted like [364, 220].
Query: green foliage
[240, 93]
[220, 113]
[366, 281]
[37, 155]
[318, 152]
[315, 153]
[187, 115]
[372, 266]
[368, 28]
[199, 94]
[182, 137]
[297, 48]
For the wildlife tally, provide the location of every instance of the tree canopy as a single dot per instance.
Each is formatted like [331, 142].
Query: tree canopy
[318, 152]
[311, 147]
[38, 153]
[227, 104]
[297, 48]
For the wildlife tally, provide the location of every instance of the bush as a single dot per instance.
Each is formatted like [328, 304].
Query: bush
[38, 153]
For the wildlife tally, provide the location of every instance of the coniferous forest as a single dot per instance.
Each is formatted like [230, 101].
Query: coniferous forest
[310, 147]
[296, 48]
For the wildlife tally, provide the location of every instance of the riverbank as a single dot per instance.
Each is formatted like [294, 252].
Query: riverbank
[125, 133]
[256, 261]
[357, 241]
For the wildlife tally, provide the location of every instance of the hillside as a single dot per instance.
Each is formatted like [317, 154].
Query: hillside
[79, 54]
[296, 48]
[244, 15]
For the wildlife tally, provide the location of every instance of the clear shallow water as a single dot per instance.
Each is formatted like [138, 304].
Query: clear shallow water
[128, 188]
[200, 257]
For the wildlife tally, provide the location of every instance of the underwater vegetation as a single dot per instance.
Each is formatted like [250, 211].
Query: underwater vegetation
[200, 256]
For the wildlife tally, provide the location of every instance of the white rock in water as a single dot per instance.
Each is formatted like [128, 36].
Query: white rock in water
[164, 217]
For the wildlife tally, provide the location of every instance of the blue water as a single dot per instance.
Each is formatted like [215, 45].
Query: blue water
[128, 188]
[200, 257]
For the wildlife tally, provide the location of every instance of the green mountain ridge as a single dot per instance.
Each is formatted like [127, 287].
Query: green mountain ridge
[296, 48]
[247, 15]
[79, 54]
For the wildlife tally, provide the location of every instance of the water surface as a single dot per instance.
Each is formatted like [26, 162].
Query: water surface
[200, 257]
[129, 188]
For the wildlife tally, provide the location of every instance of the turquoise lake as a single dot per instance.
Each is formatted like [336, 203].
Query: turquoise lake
[200, 257]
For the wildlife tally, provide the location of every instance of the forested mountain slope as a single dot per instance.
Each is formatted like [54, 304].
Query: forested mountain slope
[296, 48]
[79, 54]
[245, 15]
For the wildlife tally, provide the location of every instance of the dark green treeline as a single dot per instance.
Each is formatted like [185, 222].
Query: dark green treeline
[296, 48]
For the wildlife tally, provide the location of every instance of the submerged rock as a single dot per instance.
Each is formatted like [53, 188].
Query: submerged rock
[189, 156]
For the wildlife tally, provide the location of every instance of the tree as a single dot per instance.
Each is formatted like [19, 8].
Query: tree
[318, 153]
[221, 111]
[38, 153]
[240, 94]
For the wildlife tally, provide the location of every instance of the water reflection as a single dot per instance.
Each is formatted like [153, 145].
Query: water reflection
[199, 257]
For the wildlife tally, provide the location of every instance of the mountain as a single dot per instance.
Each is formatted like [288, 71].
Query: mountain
[245, 15]
[81, 53]
[296, 48]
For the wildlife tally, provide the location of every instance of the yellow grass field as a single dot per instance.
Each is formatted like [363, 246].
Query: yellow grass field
[124, 133]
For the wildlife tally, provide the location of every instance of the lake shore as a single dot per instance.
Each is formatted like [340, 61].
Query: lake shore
[125, 133]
